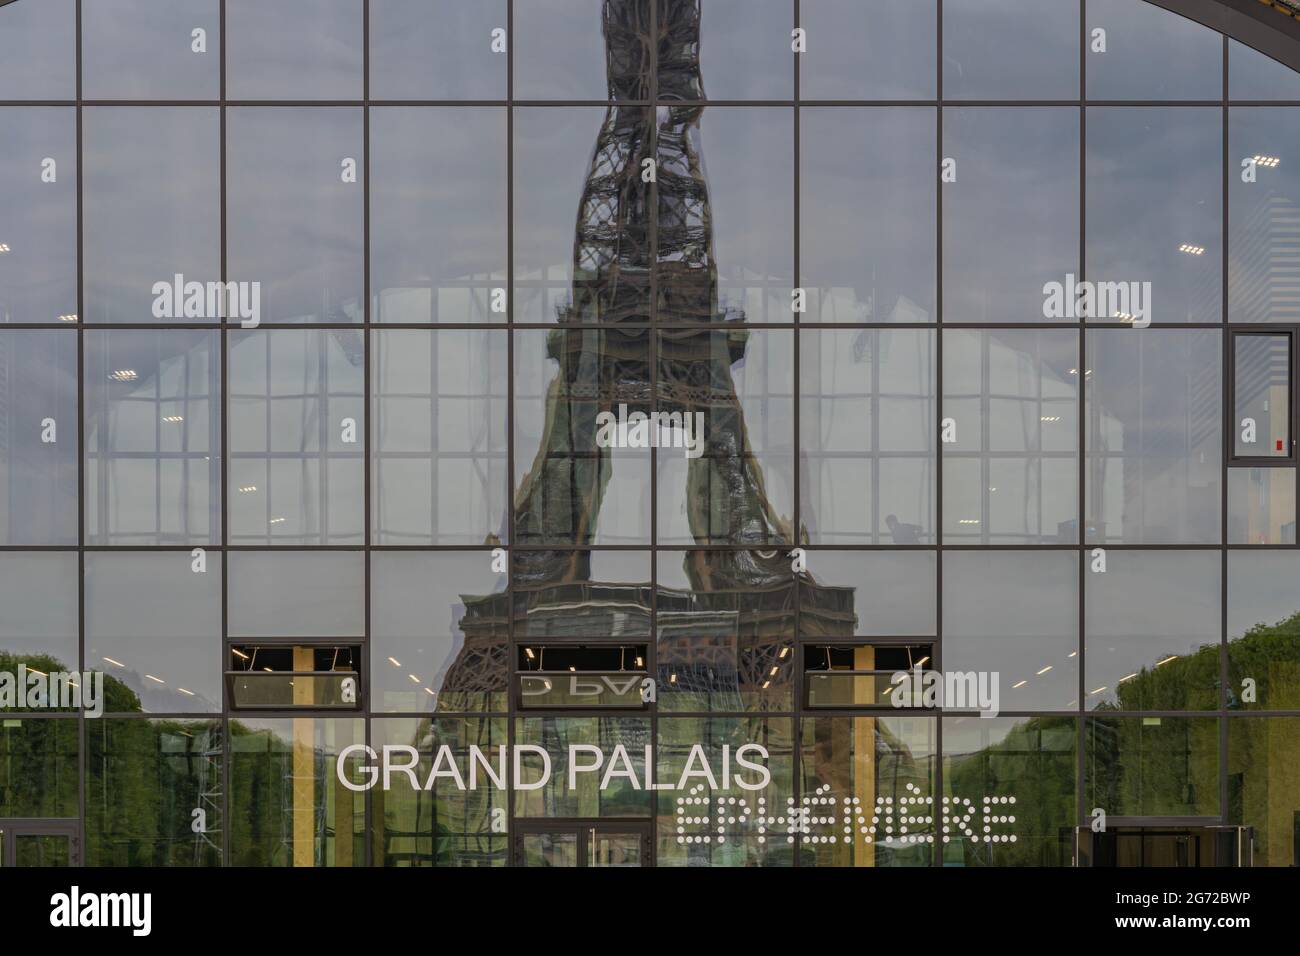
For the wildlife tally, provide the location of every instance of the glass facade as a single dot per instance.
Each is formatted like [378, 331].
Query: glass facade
[844, 433]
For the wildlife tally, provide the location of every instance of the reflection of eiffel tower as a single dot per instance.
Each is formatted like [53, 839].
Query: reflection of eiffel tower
[643, 253]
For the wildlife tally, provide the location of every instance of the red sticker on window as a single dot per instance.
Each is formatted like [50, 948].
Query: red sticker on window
[1279, 444]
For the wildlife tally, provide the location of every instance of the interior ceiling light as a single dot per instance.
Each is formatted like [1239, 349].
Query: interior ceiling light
[124, 375]
[1191, 250]
[1268, 162]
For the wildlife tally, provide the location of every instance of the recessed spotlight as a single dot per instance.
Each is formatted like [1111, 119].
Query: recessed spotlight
[1268, 162]
[124, 375]
[173, 419]
[67, 318]
[247, 489]
[1191, 250]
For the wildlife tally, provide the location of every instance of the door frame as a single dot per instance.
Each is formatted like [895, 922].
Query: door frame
[584, 828]
[13, 827]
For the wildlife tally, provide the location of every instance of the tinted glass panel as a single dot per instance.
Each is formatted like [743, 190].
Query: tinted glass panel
[878, 49]
[1017, 184]
[38, 207]
[38, 611]
[141, 50]
[1154, 436]
[1151, 54]
[153, 624]
[1152, 766]
[38, 453]
[153, 437]
[296, 594]
[1152, 638]
[867, 431]
[436, 50]
[1263, 621]
[151, 215]
[1011, 49]
[438, 214]
[36, 41]
[297, 430]
[296, 209]
[867, 214]
[432, 618]
[1263, 195]
[440, 444]
[1011, 475]
[1030, 645]
[294, 49]
[1154, 210]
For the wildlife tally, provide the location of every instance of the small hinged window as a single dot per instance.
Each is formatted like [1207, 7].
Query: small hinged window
[1263, 397]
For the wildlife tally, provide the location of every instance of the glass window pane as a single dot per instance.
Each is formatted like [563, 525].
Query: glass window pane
[1011, 218]
[1264, 148]
[689, 743]
[868, 594]
[1262, 396]
[560, 276]
[144, 780]
[1263, 654]
[297, 434]
[38, 456]
[726, 626]
[142, 50]
[440, 437]
[553, 595]
[867, 214]
[444, 825]
[153, 625]
[288, 805]
[748, 213]
[1151, 54]
[153, 437]
[1154, 436]
[1152, 766]
[295, 189]
[563, 738]
[432, 617]
[1152, 631]
[1155, 210]
[38, 47]
[39, 761]
[867, 435]
[38, 209]
[438, 214]
[296, 594]
[294, 49]
[1011, 476]
[562, 46]
[1261, 505]
[1019, 775]
[736, 485]
[1262, 756]
[1011, 49]
[1255, 76]
[872, 50]
[742, 48]
[874, 772]
[1029, 646]
[38, 611]
[573, 483]
[152, 217]
[436, 50]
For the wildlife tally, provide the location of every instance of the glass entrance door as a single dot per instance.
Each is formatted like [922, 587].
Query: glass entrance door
[1164, 845]
[38, 843]
[582, 843]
